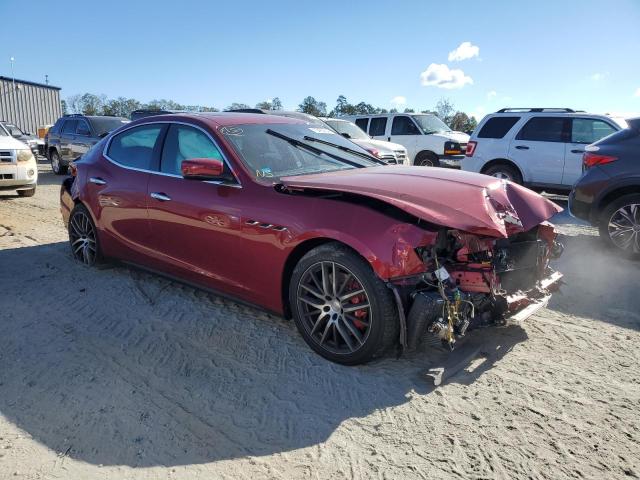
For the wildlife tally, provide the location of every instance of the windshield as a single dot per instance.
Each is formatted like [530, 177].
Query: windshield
[3, 131]
[430, 124]
[268, 155]
[105, 125]
[351, 129]
[13, 130]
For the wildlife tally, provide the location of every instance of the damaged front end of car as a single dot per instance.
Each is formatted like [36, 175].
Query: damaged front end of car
[472, 281]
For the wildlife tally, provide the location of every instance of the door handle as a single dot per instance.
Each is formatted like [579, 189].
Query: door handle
[577, 151]
[161, 196]
[522, 147]
[97, 181]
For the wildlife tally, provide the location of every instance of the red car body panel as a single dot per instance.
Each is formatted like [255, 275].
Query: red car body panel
[465, 201]
[241, 239]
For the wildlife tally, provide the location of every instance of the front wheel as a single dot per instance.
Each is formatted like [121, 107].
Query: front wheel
[83, 237]
[504, 172]
[427, 159]
[620, 224]
[56, 164]
[341, 308]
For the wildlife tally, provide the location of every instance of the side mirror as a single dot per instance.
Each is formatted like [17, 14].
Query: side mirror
[345, 135]
[202, 169]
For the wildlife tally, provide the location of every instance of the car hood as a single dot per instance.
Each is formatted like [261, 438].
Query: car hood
[379, 144]
[465, 201]
[459, 137]
[12, 143]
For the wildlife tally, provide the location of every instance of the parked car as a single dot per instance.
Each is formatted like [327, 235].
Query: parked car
[33, 142]
[428, 140]
[608, 193]
[149, 112]
[539, 147]
[18, 168]
[73, 135]
[305, 117]
[287, 216]
[392, 153]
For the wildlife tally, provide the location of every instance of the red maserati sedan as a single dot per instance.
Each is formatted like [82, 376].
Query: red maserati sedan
[294, 218]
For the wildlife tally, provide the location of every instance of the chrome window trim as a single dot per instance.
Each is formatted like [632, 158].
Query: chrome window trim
[171, 122]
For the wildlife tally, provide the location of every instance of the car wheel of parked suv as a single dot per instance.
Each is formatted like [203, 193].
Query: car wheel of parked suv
[427, 159]
[620, 224]
[341, 308]
[56, 163]
[504, 171]
[83, 237]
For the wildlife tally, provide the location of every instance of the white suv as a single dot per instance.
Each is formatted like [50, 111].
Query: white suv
[18, 168]
[540, 147]
[428, 140]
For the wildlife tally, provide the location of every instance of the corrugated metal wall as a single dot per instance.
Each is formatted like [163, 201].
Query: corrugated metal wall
[30, 106]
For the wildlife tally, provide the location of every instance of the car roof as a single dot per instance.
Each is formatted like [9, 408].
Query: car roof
[221, 119]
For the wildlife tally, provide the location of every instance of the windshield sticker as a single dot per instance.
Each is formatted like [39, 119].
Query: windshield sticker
[264, 172]
[322, 130]
[231, 131]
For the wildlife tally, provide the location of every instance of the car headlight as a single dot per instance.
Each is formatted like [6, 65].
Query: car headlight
[25, 155]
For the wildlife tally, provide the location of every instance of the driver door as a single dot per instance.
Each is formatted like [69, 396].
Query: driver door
[405, 132]
[195, 224]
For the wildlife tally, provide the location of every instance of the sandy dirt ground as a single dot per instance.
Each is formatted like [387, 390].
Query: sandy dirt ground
[116, 373]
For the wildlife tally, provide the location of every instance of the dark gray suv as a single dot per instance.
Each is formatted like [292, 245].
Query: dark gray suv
[73, 135]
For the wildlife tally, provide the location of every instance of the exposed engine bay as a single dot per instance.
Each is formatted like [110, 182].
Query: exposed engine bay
[473, 281]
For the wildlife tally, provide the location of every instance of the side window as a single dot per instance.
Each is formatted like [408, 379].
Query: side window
[497, 127]
[586, 130]
[83, 128]
[404, 126]
[57, 126]
[543, 129]
[134, 147]
[377, 126]
[363, 123]
[69, 126]
[183, 143]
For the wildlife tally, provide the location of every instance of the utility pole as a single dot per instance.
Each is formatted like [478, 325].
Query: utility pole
[13, 95]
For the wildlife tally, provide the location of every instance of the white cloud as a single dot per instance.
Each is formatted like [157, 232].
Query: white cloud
[596, 77]
[464, 51]
[492, 94]
[441, 76]
[637, 94]
[399, 100]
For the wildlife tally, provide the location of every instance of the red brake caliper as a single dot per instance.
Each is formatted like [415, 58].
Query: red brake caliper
[359, 314]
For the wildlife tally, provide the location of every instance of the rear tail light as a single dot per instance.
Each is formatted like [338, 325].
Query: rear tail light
[471, 147]
[590, 159]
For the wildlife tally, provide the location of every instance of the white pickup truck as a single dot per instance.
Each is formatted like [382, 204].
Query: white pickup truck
[18, 168]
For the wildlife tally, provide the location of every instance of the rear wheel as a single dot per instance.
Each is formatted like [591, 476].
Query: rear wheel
[620, 224]
[27, 193]
[342, 309]
[427, 159]
[83, 237]
[56, 163]
[505, 172]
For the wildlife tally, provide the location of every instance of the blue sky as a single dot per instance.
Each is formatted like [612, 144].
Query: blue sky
[580, 54]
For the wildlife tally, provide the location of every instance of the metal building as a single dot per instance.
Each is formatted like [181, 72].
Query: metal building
[29, 104]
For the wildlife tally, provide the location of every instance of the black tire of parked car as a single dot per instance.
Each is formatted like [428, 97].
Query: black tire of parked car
[56, 163]
[427, 159]
[83, 237]
[382, 330]
[610, 212]
[27, 193]
[504, 171]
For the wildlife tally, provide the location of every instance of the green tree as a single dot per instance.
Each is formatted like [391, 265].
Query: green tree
[445, 110]
[409, 110]
[264, 105]
[121, 107]
[276, 104]
[313, 107]
[237, 106]
[461, 122]
[63, 107]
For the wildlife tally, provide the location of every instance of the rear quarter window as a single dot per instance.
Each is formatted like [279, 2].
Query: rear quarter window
[497, 127]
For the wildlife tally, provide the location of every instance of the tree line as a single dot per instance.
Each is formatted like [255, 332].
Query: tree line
[92, 104]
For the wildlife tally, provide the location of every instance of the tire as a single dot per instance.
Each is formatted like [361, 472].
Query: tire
[620, 216]
[427, 159]
[56, 163]
[83, 237]
[347, 337]
[27, 193]
[504, 171]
